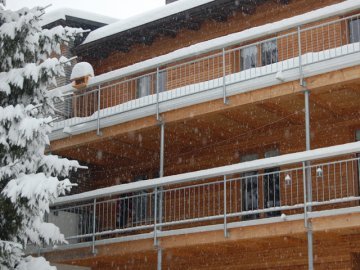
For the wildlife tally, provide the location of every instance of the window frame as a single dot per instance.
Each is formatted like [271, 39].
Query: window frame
[162, 80]
[259, 55]
[244, 62]
[350, 29]
[264, 55]
[143, 86]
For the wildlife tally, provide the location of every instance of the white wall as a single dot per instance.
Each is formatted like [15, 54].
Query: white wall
[67, 222]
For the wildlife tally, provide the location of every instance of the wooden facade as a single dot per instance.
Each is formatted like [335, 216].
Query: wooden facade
[258, 124]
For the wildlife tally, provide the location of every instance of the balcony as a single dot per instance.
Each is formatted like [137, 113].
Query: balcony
[288, 55]
[298, 186]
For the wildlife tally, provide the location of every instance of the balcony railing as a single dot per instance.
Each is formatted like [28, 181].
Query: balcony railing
[294, 49]
[283, 185]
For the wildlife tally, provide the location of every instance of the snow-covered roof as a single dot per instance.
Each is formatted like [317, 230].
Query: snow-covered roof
[229, 40]
[165, 11]
[144, 18]
[61, 14]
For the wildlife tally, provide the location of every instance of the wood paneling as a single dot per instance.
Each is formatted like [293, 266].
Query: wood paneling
[281, 245]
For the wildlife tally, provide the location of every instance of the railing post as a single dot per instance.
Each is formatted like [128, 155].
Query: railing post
[98, 133]
[305, 195]
[161, 171]
[155, 216]
[308, 144]
[301, 72]
[162, 148]
[157, 94]
[156, 241]
[226, 234]
[224, 76]
[94, 227]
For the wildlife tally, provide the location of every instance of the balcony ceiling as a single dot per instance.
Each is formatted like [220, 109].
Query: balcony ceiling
[191, 19]
[240, 130]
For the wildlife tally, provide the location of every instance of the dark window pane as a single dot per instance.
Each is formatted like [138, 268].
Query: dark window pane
[248, 57]
[143, 86]
[272, 190]
[269, 53]
[162, 81]
[250, 189]
[354, 30]
[139, 204]
[250, 194]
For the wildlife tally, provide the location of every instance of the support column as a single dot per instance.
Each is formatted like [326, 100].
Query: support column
[162, 148]
[161, 174]
[308, 182]
[307, 164]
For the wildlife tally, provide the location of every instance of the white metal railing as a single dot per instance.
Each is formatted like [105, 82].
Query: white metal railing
[251, 190]
[292, 50]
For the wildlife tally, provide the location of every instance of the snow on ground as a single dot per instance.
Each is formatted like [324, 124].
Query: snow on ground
[61, 14]
[31, 263]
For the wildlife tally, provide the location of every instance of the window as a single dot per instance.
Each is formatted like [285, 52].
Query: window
[162, 81]
[269, 53]
[248, 57]
[143, 86]
[272, 186]
[133, 207]
[354, 30]
[140, 204]
[250, 189]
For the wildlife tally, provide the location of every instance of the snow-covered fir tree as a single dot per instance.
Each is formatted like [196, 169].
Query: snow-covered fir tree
[29, 179]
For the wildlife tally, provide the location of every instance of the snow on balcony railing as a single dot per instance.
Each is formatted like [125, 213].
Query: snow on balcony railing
[220, 69]
[251, 190]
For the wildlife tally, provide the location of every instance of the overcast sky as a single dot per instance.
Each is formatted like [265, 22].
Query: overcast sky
[113, 8]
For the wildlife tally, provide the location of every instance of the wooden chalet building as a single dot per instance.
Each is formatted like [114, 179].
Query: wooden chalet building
[218, 134]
